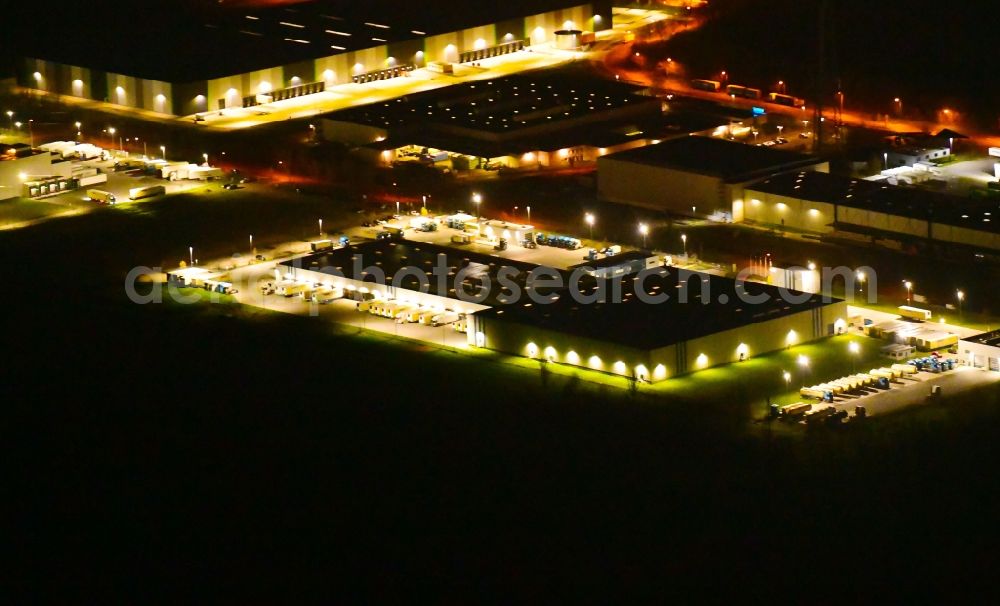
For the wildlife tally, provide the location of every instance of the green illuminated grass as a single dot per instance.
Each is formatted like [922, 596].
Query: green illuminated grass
[19, 210]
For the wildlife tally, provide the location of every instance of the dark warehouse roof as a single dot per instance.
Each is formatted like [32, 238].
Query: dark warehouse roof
[189, 40]
[733, 162]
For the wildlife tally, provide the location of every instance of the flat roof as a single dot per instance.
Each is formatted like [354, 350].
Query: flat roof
[643, 325]
[982, 214]
[390, 256]
[508, 106]
[715, 157]
[189, 40]
[632, 322]
[991, 338]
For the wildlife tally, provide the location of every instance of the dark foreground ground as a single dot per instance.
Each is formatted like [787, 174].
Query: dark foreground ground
[168, 451]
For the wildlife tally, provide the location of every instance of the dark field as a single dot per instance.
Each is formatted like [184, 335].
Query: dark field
[163, 450]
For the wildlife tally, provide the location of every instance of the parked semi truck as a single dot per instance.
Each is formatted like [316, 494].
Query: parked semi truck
[708, 85]
[138, 193]
[914, 313]
[321, 245]
[743, 92]
[100, 196]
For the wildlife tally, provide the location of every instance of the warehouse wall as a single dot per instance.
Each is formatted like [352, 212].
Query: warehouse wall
[201, 96]
[964, 235]
[712, 350]
[14, 172]
[883, 221]
[770, 209]
[753, 339]
[559, 347]
[658, 188]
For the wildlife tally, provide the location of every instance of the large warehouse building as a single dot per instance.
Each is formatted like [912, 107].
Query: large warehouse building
[822, 203]
[149, 58]
[693, 175]
[704, 321]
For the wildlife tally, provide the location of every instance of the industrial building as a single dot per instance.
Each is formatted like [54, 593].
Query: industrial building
[693, 175]
[694, 321]
[36, 173]
[558, 117]
[822, 203]
[982, 351]
[229, 57]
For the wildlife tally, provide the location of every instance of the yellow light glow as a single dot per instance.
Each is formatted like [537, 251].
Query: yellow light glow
[572, 357]
[595, 362]
[619, 367]
[532, 350]
[743, 350]
[550, 353]
[660, 372]
[701, 361]
[791, 337]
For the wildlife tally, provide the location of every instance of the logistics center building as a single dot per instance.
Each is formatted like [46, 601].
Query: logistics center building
[242, 57]
[695, 320]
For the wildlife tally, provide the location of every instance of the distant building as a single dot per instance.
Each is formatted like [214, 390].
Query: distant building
[22, 168]
[822, 203]
[982, 351]
[693, 175]
[245, 57]
[908, 156]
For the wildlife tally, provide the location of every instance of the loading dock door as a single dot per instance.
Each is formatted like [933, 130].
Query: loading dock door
[995, 364]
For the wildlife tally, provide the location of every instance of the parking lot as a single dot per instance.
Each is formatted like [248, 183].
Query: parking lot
[119, 183]
[247, 280]
[549, 256]
[911, 390]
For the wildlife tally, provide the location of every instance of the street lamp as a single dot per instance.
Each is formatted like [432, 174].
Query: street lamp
[909, 290]
[425, 201]
[803, 362]
[477, 199]
[528, 208]
[397, 207]
[163, 151]
[251, 247]
[111, 135]
[31, 134]
[10, 116]
[788, 379]
[644, 230]
[961, 297]
[321, 227]
[861, 282]
[855, 349]
[205, 156]
[684, 241]
[191, 254]
[589, 218]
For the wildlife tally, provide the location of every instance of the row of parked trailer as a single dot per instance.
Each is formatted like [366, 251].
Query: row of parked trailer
[878, 378]
[411, 313]
[72, 149]
[312, 293]
[567, 242]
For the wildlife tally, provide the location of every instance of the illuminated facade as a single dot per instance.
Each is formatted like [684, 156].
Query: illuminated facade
[185, 98]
